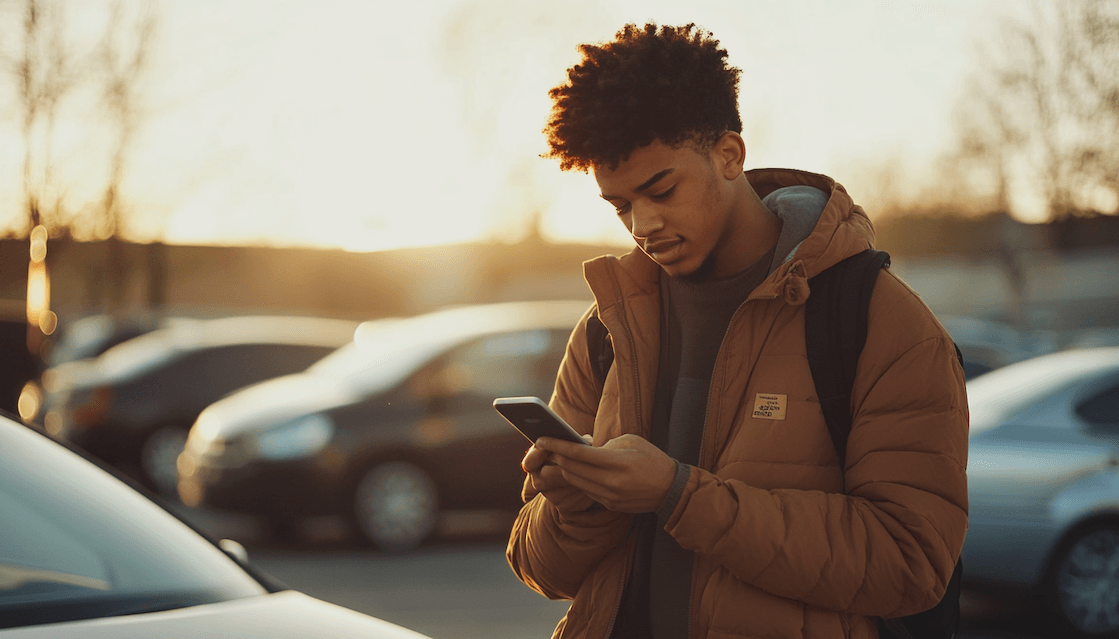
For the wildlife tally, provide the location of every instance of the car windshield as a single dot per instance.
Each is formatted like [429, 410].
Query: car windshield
[386, 350]
[77, 543]
[999, 395]
[136, 356]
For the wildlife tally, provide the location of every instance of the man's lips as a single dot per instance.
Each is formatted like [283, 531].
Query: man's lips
[661, 247]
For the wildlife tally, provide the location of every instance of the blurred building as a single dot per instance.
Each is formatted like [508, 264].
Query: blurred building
[1038, 277]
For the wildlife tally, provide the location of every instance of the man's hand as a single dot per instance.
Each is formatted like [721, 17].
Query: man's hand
[546, 478]
[627, 474]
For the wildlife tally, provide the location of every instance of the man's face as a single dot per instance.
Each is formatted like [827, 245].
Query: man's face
[680, 208]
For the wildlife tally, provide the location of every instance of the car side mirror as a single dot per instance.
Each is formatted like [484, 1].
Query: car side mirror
[235, 550]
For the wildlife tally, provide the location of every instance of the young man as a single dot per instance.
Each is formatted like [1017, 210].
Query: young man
[711, 503]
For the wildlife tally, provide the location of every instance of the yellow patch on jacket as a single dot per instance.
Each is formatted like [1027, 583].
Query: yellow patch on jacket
[770, 406]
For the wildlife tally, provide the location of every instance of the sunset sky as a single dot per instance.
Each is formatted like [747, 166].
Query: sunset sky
[370, 125]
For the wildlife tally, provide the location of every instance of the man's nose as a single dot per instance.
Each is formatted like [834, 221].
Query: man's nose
[645, 222]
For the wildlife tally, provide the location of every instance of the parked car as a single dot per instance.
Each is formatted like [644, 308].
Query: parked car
[1043, 475]
[987, 344]
[83, 554]
[132, 405]
[391, 431]
[85, 338]
[1094, 337]
[92, 335]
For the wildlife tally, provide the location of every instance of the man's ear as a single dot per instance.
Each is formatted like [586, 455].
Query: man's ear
[730, 154]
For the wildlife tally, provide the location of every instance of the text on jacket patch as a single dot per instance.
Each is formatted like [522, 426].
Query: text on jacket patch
[770, 406]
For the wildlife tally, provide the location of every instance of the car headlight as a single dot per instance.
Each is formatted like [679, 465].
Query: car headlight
[204, 434]
[299, 438]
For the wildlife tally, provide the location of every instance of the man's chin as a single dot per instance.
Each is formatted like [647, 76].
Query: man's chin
[703, 272]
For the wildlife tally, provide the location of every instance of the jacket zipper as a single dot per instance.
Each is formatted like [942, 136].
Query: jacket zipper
[632, 347]
[637, 420]
[705, 463]
[637, 406]
[621, 591]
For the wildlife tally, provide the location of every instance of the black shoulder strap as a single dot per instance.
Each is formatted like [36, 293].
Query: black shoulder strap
[835, 326]
[600, 348]
[835, 323]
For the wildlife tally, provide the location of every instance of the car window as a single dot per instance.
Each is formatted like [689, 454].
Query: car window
[1101, 408]
[1001, 394]
[228, 368]
[77, 543]
[515, 363]
[206, 375]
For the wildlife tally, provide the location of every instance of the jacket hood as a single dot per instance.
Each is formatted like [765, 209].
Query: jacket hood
[842, 230]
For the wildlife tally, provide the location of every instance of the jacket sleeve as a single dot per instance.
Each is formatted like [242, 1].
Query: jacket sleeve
[549, 551]
[888, 546]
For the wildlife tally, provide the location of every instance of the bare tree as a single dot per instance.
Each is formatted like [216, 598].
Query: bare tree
[51, 64]
[45, 72]
[122, 59]
[1042, 111]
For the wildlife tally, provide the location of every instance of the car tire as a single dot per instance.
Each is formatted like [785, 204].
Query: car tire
[159, 455]
[1082, 585]
[395, 505]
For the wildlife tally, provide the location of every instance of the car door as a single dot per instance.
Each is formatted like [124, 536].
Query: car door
[475, 449]
[1095, 492]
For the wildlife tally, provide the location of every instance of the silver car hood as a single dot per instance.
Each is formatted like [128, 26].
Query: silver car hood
[282, 615]
[272, 402]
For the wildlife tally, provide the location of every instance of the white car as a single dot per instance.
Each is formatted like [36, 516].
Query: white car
[1043, 485]
[83, 554]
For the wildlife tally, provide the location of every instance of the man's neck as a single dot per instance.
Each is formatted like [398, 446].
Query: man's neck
[755, 235]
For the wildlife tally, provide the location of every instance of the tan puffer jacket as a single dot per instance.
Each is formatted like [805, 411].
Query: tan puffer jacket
[781, 551]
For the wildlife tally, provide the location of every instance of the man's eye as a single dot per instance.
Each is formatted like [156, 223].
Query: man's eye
[622, 210]
[664, 196]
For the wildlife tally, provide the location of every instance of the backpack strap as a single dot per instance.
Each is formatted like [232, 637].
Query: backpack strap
[600, 349]
[835, 324]
[835, 328]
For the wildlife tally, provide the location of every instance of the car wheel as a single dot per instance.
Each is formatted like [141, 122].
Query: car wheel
[159, 456]
[1083, 584]
[395, 505]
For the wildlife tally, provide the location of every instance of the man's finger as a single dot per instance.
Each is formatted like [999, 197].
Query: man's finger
[588, 487]
[565, 448]
[534, 459]
[598, 470]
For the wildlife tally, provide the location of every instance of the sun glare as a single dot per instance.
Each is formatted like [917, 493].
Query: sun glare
[298, 126]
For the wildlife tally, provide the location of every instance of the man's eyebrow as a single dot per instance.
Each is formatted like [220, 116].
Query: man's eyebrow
[653, 180]
[644, 185]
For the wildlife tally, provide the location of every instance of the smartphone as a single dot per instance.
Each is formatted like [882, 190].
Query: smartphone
[533, 418]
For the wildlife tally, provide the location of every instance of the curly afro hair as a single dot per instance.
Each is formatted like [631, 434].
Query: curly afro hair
[670, 84]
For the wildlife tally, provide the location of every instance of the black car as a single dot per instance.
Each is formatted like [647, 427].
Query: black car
[132, 405]
[21, 366]
[392, 430]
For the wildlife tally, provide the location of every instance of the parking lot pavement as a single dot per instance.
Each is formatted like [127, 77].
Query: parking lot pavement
[460, 586]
